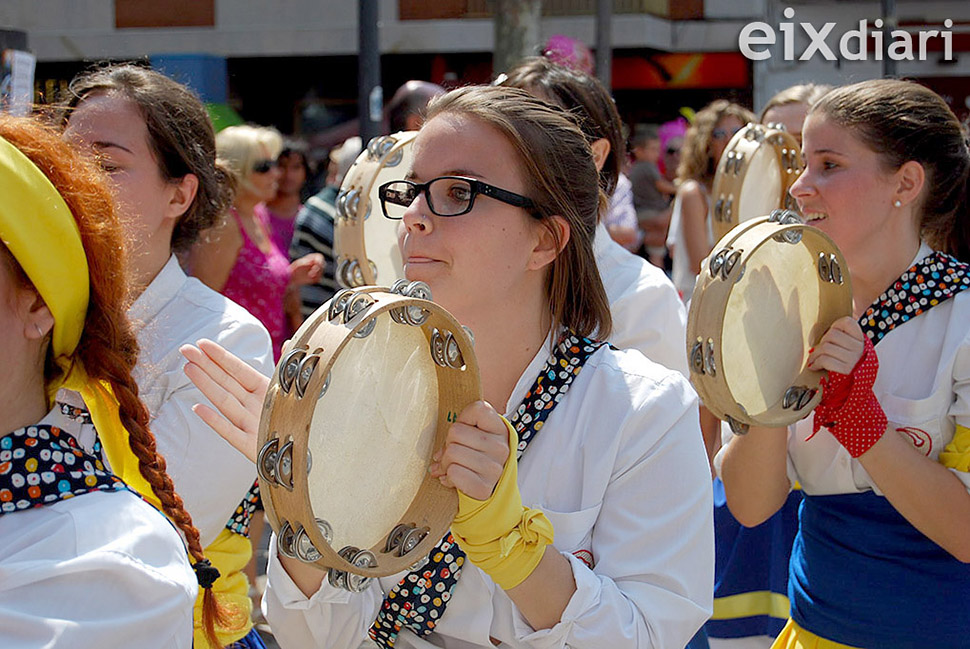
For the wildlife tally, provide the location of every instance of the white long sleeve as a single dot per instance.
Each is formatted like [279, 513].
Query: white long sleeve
[98, 570]
[620, 469]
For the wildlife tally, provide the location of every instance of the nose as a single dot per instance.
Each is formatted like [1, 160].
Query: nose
[802, 187]
[416, 217]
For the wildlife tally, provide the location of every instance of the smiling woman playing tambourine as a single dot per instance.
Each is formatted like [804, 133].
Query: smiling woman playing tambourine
[884, 536]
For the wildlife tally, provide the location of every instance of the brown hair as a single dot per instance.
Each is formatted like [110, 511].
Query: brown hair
[561, 180]
[902, 121]
[696, 162]
[585, 98]
[803, 93]
[179, 134]
[108, 348]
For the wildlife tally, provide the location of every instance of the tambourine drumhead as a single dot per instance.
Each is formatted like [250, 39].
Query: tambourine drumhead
[365, 242]
[753, 176]
[767, 293]
[361, 399]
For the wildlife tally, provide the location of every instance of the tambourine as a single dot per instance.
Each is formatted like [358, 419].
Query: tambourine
[365, 243]
[753, 176]
[766, 294]
[360, 400]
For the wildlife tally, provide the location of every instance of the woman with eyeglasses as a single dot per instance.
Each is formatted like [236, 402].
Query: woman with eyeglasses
[690, 237]
[600, 534]
[238, 258]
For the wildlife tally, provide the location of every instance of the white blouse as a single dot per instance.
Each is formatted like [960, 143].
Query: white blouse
[923, 386]
[620, 470]
[648, 315]
[100, 570]
[209, 474]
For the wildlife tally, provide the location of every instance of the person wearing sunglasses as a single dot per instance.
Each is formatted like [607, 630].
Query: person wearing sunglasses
[690, 237]
[239, 258]
[605, 537]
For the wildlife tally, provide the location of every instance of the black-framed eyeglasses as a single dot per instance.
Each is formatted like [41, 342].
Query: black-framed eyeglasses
[446, 196]
[264, 166]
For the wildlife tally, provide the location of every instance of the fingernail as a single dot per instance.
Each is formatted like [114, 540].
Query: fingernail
[811, 349]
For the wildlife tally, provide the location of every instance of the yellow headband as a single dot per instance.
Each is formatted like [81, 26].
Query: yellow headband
[39, 230]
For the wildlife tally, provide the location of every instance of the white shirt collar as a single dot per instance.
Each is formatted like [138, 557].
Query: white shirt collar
[601, 240]
[159, 292]
[924, 251]
[528, 377]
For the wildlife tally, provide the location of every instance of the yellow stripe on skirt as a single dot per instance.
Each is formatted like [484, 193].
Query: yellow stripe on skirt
[795, 637]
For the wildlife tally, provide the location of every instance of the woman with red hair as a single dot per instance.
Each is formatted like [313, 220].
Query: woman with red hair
[86, 560]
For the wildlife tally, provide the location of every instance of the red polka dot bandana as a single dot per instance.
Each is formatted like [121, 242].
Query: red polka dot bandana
[849, 409]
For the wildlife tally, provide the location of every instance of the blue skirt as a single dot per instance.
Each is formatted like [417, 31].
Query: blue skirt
[251, 641]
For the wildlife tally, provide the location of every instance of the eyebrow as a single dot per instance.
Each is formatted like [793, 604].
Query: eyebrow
[825, 152]
[111, 145]
[451, 172]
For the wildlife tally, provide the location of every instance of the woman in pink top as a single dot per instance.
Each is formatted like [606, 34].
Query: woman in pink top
[239, 258]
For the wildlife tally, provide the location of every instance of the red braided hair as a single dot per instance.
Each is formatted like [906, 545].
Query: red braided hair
[108, 348]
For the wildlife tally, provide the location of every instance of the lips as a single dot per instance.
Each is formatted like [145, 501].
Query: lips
[419, 259]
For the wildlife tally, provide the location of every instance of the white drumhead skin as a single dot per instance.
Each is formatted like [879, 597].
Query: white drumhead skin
[766, 311]
[761, 186]
[380, 233]
[372, 433]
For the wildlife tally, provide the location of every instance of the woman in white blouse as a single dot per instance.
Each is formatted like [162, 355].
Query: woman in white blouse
[499, 211]
[84, 561]
[154, 138]
[881, 555]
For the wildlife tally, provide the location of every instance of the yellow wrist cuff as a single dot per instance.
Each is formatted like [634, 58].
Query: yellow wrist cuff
[499, 535]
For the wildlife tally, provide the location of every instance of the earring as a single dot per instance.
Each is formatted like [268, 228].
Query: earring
[40, 332]
[897, 203]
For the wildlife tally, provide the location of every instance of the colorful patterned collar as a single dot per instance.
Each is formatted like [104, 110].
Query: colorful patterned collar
[926, 284]
[42, 465]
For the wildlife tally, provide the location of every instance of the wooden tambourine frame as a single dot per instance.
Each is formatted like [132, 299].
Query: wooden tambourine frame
[732, 178]
[304, 372]
[358, 208]
[715, 320]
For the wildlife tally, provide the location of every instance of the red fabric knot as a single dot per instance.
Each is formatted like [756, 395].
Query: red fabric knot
[849, 409]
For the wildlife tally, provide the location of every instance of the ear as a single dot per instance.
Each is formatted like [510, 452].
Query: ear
[182, 194]
[413, 122]
[553, 235]
[910, 178]
[601, 150]
[38, 320]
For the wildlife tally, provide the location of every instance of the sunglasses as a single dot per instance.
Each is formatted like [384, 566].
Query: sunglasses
[264, 166]
[721, 133]
[672, 150]
[446, 196]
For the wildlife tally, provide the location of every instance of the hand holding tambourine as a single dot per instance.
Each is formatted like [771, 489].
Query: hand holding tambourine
[768, 292]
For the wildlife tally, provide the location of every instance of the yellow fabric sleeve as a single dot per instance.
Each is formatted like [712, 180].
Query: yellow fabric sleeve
[230, 553]
[499, 535]
[956, 454]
